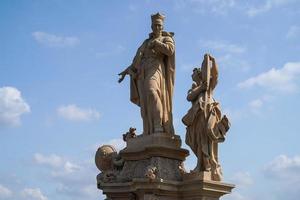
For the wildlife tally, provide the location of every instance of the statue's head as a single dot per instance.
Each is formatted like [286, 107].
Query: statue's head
[157, 23]
[197, 75]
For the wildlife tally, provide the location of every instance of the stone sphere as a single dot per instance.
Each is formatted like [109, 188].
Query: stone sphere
[104, 157]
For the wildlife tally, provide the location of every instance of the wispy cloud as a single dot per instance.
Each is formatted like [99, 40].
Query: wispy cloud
[228, 54]
[52, 40]
[235, 196]
[255, 104]
[12, 106]
[282, 79]
[50, 160]
[222, 46]
[219, 7]
[242, 179]
[284, 172]
[284, 168]
[73, 179]
[58, 164]
[33, 194]
[74, 113]
[5, 193]
[267, 6]
[293, 32]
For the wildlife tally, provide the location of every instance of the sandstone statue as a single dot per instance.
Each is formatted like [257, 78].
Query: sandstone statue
[151, 166]
[206, 126]
[152, 79]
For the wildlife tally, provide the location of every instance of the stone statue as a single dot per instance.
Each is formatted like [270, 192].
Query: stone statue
[151, 166]
[206, 126]
[152, 79]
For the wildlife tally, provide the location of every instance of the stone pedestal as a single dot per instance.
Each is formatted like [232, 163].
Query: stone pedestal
[142, 189]
[153, 170]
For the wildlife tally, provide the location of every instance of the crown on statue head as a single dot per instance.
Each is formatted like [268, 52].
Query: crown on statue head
[157, 18]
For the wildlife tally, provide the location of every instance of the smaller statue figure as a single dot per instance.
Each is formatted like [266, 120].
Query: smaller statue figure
[206, 126]
[130, 134]
[151, 173]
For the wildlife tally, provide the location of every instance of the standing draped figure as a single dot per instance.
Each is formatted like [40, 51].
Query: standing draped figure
[205, 125]
[152, 79]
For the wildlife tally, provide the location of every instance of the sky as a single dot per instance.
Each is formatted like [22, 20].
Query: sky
[60, 99]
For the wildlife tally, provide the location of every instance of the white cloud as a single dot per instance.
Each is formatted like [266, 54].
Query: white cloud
[71, 167]
[282, 79]
[219, 7]
[74, 113]
[5, 192]
[242, 179]
[293, 32]
[12, 106]
[284, 173]
[89, 191]
[222, 46]
[284, 168]
[267, 6]
[255, 104]
[60, 166]
[67, 169]
[235, 196]
[33, 194]
[230, 60]
[52, 40]
[51, 160]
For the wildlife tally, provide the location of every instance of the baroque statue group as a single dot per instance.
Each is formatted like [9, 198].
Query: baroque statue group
[151, 165]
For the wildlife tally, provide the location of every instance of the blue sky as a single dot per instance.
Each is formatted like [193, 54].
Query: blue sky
[60, 100]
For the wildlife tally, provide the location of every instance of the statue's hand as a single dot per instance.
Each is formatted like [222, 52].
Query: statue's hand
[211, 57]
[122, 76]
[154, 43]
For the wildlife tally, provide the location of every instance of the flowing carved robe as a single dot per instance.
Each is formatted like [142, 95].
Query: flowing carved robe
[152, 86]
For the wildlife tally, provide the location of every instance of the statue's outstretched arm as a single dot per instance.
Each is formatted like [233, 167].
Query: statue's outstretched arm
[132, 69]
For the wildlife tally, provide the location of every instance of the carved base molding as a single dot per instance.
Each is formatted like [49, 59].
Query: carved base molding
[142, 189]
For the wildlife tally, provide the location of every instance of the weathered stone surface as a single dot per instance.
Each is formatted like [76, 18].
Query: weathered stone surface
[167, 169]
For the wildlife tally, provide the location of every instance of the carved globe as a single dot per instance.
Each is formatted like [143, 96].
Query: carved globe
[104, 157]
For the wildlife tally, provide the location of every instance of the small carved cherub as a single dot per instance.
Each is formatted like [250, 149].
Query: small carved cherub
[129, 134]
[151, 173]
